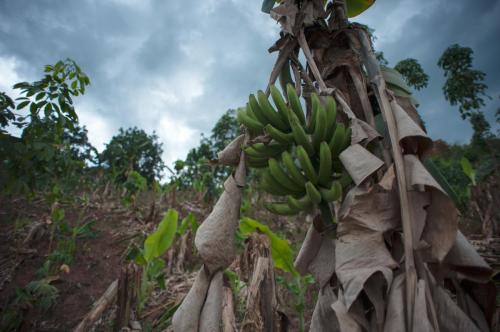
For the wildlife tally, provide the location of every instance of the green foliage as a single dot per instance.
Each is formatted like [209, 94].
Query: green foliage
[413, 73]
[196, 171]
[159, 241]
[43, 293]
[6, 111]
[39, 294]
[482, 129]
[133, 150]
[53, 93]
[298, 287]
[52, 147]
[188, 221]
[155, 245]
[464, 85]
[282, 255]
[280, 249]
[468, 170]
[463, 166]
[134, 184]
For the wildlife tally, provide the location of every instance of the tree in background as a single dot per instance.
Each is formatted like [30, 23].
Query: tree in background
[133, 150]
[45, 153]
[413, 73]
[196, 170]
[464, 85]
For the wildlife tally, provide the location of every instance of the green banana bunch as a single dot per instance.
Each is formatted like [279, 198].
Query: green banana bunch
[301, 162]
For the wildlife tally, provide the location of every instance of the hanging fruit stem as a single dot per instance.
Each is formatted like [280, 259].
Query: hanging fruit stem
[326, 213]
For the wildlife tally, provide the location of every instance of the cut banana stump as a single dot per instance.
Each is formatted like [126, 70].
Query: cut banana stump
[301, 161]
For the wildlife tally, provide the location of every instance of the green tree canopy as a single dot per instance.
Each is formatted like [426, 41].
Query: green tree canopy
[413, 73]
[133, 150]
[464, 85]
[52, 148]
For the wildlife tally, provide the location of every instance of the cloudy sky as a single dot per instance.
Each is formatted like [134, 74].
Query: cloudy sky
[175, 66]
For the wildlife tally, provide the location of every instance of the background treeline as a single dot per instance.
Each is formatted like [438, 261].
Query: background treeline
[53, 152]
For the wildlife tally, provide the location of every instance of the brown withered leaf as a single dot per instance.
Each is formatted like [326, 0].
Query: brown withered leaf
[211, 314]
[220, 224]
[395, 317]
[308, 250]
[322, 266]
[421, 321]
[324, 318]
[362, 132]
[442, 217]
[231, 153]
[352, 319]
[374, 209]
[285, 14]
[362, 257]
[466, 262]
[358, 257]
[187, 316]
[411, 136]
[407, 105]
[451, 318]
[359, 162]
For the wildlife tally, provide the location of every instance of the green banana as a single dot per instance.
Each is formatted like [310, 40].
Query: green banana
[347, 139]
[259, 113]
[281, 209]
[282, 178]
[294, 101]
[300, 135]
[250, 123]
[254, 159]
[269, 112]
[292, 169]
[269, 150]
[313, 193]
[278, 135]
[332, 194]
[256, 163]
[250, 113]
[302, 204]
[305, 163]
[280, 103]
[331, 116]
[252, 153]
[326, 213]
[269, 184]
[311, 125]
[337, 141]
[320, 126]
[325, 164]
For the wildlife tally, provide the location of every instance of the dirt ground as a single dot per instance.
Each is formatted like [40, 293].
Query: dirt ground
[98, 260]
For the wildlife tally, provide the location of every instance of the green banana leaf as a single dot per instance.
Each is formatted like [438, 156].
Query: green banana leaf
[159, 241]
[356, 7]
[401, 93]
[393, 77]
[280, 249]
[439, 177]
